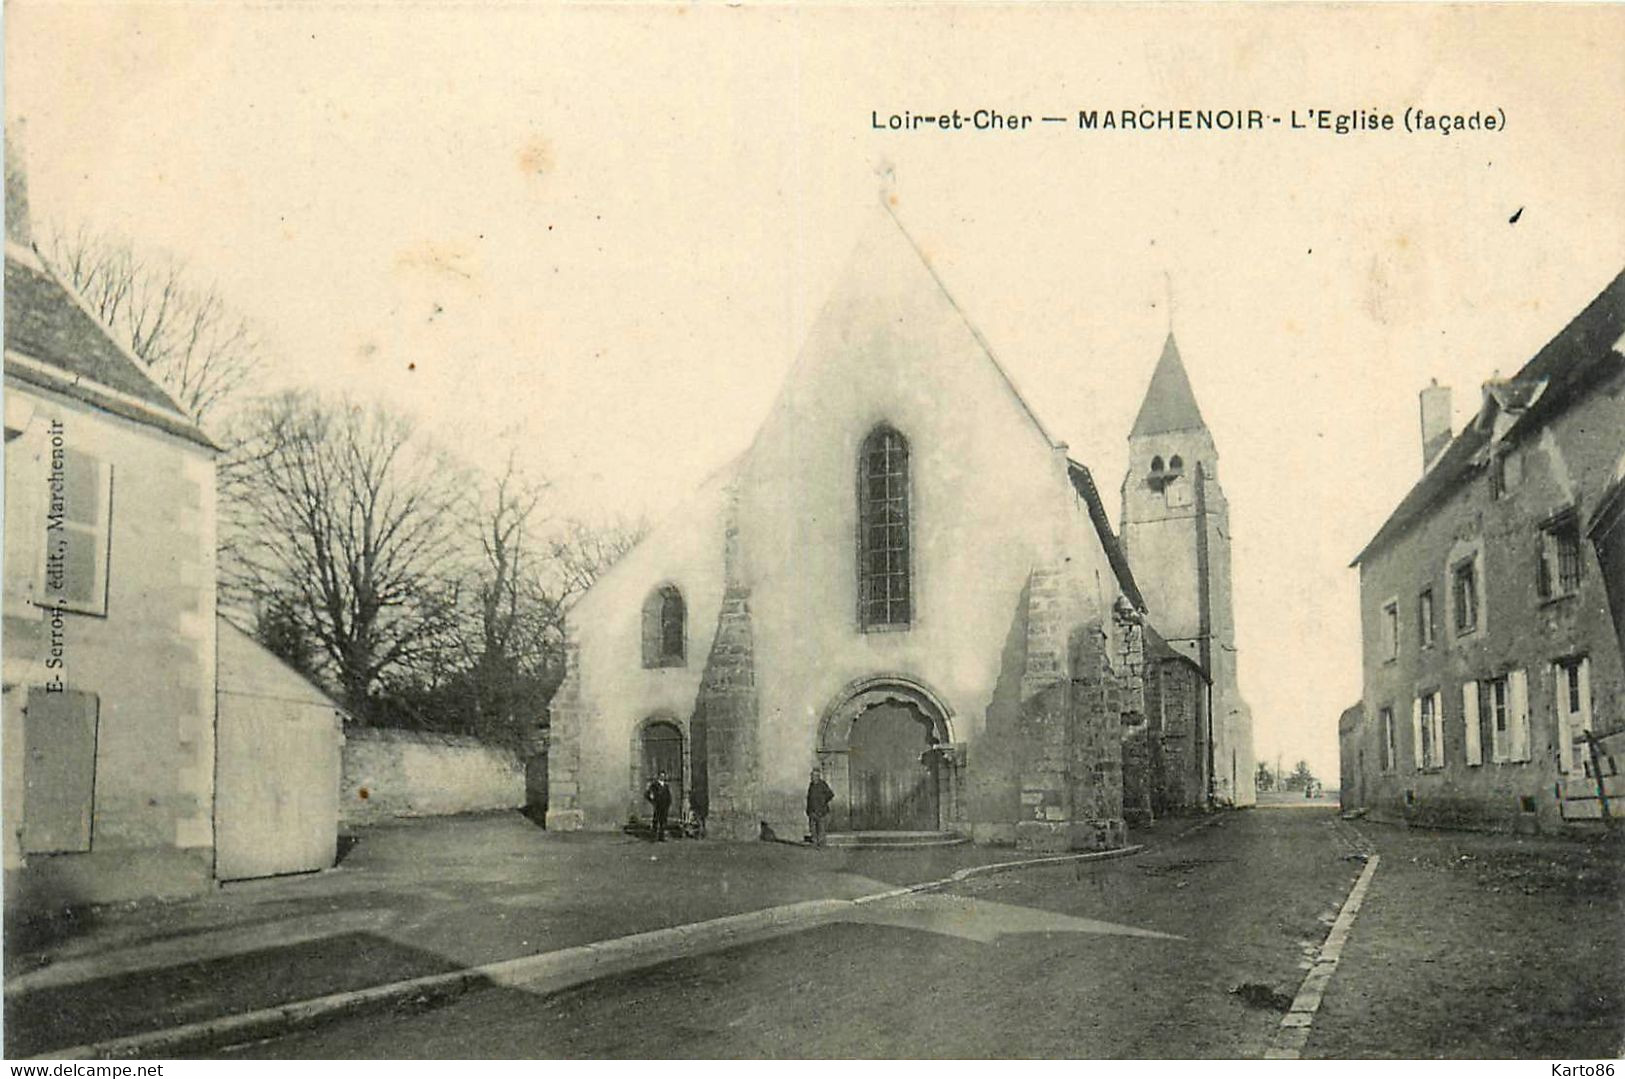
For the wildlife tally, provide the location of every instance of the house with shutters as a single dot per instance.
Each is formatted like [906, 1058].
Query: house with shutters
[906, 583]
[1493, 694]
[109, 657]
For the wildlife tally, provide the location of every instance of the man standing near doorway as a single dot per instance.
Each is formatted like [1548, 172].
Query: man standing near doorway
[819, 796]
[658, 794]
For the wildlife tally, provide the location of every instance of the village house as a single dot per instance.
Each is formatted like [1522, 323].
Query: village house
[907, 583]
[1493, 693]
[109, 664]
[151, 748]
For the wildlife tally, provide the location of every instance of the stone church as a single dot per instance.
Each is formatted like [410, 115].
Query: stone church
[907, 582]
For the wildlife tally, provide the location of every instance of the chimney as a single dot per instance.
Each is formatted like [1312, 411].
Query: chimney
[1435, 422]
[17, 226]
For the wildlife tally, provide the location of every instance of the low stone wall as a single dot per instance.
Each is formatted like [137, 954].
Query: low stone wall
[392, 773]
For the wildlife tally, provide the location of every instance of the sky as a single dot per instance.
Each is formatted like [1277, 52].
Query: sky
[601, 232]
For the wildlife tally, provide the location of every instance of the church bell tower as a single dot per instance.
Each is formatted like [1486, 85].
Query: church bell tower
[1176, 531]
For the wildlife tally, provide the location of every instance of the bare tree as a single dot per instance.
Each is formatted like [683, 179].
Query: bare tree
[584, 551]
[186, 333]
[341, 513]
[508, 644]
[521, 588]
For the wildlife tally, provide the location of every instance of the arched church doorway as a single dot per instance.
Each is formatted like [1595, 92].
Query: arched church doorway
[884, 747]
[662, 745]
[892, 771]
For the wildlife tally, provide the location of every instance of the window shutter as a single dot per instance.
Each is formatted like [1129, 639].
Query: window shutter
[1518, 715]
[1585, 694]
[73, 563]
[1469, 719]
[1416, 732]
[1438, 729]
[59, 771]
[1560, 717]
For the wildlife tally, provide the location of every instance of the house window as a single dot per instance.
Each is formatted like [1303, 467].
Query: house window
[1464, 595]
[665, 628]
[1390, 630]
[1573, 713]
[1570, 682]
[1385, 725]
[1504, 703]
[1176, 463]
[1506, 470]
[1429, 731]
[884, 584]
[1424, 618]
[73, 563]
[1495, 707]
[1560, 556]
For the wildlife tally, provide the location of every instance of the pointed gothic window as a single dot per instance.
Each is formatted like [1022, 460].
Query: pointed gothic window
[884, 582]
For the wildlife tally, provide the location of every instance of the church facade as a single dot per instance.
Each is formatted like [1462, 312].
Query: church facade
[907, 583]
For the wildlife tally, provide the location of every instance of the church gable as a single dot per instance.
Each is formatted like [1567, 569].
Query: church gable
[892, 350]
[890, 333]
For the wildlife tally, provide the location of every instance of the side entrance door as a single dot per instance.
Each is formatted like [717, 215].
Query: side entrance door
[663, 752]
[892, 773]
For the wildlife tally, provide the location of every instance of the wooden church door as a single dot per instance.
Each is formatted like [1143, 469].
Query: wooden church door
[893, 777]
[663, 752]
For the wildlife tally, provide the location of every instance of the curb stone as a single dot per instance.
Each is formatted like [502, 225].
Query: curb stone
[543, 973]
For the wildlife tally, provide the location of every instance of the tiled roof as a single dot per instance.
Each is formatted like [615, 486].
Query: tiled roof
[74, 354]
[1169, 403]
[1569, 364]
[1084, 484]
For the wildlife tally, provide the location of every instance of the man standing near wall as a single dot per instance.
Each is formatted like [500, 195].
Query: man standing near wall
[658, 795]
[819, 796]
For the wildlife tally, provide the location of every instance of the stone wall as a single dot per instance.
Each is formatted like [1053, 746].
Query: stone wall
[1165, 757]
[1069, 733]
[567, 714]
[392, 773]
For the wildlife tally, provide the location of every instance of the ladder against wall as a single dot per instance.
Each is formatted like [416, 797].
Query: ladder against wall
[1584, 791]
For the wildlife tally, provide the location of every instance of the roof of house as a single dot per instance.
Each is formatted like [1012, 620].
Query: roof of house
[1084, 483]
[1170, 404]
[1571, 363]
[73, 353]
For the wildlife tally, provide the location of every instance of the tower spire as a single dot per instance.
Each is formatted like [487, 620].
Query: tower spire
[1170, 404]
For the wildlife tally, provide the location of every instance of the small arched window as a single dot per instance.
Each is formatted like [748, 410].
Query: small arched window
[1175, 464]
[1156, 464]
[665, 628]
[885, 586]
